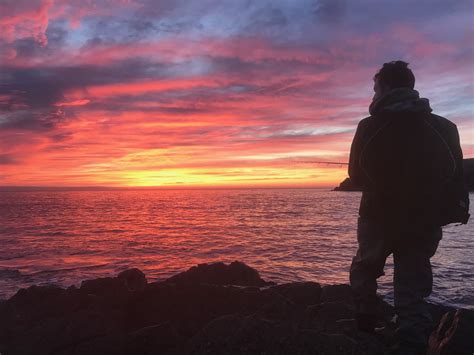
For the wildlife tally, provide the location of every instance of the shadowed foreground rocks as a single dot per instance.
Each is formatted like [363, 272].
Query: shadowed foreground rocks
[211, 308]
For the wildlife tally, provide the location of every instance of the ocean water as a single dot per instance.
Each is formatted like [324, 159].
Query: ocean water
[64, 237]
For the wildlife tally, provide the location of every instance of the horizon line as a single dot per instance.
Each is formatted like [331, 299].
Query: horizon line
[122, 188]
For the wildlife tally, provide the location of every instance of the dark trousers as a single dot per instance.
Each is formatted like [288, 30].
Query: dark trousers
[412, 247]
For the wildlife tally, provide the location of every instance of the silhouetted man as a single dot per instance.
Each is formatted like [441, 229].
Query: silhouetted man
[409, 164]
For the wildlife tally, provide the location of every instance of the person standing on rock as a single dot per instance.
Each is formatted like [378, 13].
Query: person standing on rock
[408, 162]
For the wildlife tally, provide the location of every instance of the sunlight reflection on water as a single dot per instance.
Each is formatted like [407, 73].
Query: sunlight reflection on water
[287, 235]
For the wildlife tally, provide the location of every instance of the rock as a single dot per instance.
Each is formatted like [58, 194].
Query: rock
[300, 293]
[110, 344]
[279, 308]
[347, 185]
[336, 293]
[154, 339]
[330, 317]
[235, 334]
[105, 287]
[236, 273]
[214, 308]
[192, 305]
[135, 280]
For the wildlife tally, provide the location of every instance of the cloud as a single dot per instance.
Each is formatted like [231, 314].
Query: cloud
[6, 159]
[38, 120]
[330, 10]
[143, 92]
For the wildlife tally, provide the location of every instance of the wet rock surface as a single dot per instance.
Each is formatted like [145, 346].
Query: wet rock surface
[211, 308]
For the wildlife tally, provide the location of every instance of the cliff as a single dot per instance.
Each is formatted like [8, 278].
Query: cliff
[211, 308]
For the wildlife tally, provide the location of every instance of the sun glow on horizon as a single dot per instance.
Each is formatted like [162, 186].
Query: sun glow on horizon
[121, 94]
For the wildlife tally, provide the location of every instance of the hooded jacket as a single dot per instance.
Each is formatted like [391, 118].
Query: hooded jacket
[408, 162]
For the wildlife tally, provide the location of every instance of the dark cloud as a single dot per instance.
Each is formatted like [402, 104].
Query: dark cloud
[60, 137]
[330, 10]
[29, 96]
[57, 34]
[39, 88]
[120, 30]
[7, 159]
[32, 120]
[266, 20]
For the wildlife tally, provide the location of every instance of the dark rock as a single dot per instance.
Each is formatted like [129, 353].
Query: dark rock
[239, 334]
[336, 293]
[105, 287]
[300, 293]
[347, 185]
[235, 334]
[236, 273]
[154, 339]
[330, 317]
[437, 311]
[192, 305]
[203, 310]
[110, 344]
[279, 308]
[135, 279]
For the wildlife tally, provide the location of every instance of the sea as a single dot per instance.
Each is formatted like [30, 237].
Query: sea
[64, 237]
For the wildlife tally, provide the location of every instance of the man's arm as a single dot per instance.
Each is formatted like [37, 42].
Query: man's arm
[455, 145]
[457, 203]
[355, 172]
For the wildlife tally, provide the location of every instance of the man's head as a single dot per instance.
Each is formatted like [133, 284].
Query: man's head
[393, 75]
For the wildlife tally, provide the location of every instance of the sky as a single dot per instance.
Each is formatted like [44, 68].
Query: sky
[213, 93]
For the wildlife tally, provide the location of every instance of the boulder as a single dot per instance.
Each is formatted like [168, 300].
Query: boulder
[336, 293]
[192, 305]
[135, 279]
[300, 293]
[236, 273]
[236, 334]
[330, 317]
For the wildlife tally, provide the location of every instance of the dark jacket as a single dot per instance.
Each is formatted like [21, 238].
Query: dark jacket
[409, 165]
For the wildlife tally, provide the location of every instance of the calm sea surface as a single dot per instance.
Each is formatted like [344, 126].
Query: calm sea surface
[286, 234]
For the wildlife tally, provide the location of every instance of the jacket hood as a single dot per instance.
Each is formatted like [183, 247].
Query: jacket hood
[400, 100]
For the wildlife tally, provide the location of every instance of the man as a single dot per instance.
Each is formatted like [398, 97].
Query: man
[409, 164]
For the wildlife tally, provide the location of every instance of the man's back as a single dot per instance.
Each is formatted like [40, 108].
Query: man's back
[409, 163]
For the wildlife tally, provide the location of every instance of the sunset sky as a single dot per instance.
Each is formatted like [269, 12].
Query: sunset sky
[213, 93]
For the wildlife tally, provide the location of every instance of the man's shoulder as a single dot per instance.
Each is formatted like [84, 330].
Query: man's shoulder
[443, 122]
[364, 122]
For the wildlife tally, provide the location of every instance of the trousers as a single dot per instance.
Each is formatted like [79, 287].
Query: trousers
[412, 247]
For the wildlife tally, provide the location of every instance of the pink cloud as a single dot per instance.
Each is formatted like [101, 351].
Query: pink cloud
[25, 19]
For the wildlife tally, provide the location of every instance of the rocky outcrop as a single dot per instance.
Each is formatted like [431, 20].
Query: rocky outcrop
[211, 308]
[347, 185]
[236, 273]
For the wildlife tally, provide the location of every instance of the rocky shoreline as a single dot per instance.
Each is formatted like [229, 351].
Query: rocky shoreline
[210, 308]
